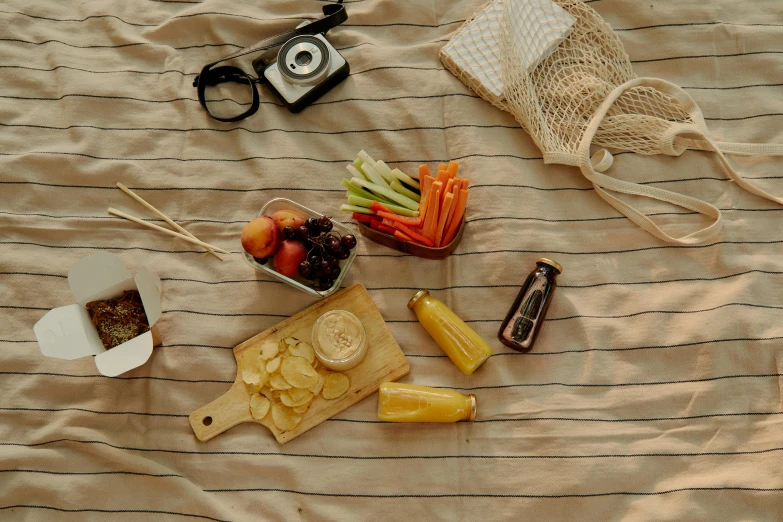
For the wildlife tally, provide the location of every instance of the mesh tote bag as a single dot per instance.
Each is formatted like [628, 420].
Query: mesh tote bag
[584, 94]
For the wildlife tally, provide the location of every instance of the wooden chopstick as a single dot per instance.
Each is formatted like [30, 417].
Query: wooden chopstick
[189, 239]
[162, 215]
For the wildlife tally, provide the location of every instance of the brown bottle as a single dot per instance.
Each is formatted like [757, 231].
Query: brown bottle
[520, 327]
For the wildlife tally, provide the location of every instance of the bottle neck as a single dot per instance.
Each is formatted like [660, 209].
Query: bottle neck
[545, 269]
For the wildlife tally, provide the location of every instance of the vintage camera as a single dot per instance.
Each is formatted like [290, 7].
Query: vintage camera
[307, 66]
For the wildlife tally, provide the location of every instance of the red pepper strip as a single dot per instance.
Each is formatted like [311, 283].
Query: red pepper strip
[405, 220]
[412, 234]
[402, 236]
[363, 218]
[377, 207]
[387, 229]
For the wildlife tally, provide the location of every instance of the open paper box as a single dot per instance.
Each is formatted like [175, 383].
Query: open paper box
[67, 332]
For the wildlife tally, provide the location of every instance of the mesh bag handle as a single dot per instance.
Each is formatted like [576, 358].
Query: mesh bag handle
[675, 144]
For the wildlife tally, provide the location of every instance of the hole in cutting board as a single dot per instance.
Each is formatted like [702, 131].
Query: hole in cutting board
[207, 421]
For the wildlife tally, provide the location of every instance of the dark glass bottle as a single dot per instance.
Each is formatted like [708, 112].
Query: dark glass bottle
[520, 327]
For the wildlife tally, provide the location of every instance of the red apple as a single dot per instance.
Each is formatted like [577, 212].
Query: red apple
[288, 257]
[261, 237]
[287, 218]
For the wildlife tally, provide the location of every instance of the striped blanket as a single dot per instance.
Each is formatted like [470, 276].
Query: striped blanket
[654, 391]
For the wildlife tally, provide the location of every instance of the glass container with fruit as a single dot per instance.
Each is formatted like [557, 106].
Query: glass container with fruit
[299, 246]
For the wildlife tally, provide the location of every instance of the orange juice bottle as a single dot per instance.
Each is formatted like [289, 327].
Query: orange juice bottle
[399, 402]
[464, 346]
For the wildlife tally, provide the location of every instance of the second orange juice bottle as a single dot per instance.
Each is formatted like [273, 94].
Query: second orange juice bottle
[464, 346]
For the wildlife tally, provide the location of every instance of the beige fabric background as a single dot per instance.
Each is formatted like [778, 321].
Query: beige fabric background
[653, 393]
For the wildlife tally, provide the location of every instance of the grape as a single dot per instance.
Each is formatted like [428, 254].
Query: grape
[304, 232]
[314, 258]
[349, 241]
[333, 244]
[289, 232]
[343, 253]
[334, 261]
[305, 269]
[326, 266]
[335, 272]
[312, 224]
[325, 223]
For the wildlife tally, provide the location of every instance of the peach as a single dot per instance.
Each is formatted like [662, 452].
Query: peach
[261, 237]
[288, 257]
[287, 218]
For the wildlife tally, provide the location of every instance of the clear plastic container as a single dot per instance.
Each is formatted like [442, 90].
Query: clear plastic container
[300, 283]
[323, 330]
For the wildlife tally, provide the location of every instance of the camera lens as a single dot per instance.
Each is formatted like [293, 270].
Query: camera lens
[303, 58]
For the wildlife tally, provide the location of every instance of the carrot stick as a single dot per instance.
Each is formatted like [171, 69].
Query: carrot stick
[443, 166]
[377, 207]
[449, 187]
[452, 168]
[444, 213]
[455, 195]
[426, 185]
[424, 170]
[433, 211]
[443, 177]
[411, 222]
[456, 219]
[465, 183]
[402, 235]
[412, 234]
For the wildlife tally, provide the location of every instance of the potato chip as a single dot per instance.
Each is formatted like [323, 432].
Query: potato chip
[277, 382]
[298, 372]
[269, 349]
[301, 409]
[284, 417]
[287, 398]
[319, 384]
[303, 350]
[269, 394]
[316, 363]
[259, 406]
[297, 394]
[273, 364]
[254, 376]
[290, 340]
[335, 384]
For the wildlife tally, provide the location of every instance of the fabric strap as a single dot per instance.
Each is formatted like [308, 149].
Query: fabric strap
[675, 144]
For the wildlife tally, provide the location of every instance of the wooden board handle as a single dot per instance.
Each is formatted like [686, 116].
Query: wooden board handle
[225, 412]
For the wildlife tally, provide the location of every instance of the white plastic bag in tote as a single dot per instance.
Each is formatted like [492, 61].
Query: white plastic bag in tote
[584, 93]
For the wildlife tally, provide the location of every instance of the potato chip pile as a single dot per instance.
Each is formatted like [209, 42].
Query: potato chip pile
[284, 377]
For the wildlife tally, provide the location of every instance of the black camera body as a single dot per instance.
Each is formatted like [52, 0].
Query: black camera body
[307, 66]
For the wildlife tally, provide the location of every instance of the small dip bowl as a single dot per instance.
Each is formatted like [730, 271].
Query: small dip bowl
[327, 330]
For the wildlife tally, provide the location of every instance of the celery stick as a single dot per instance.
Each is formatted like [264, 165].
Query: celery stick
[387, 192]
[364, 202]
[397, 173]
[357, 190]
[360, 202]
[357, 163]
[356, 172]
[373, 175]
[397, 187]
[358, 210]
[385, 171]
[366, 158]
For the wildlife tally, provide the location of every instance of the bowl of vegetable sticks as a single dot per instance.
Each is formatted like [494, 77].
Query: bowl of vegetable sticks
[423, 216]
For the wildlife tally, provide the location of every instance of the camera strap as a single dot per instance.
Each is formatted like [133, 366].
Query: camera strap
[334, 15]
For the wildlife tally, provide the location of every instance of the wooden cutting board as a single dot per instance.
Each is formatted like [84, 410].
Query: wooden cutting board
[384, 362]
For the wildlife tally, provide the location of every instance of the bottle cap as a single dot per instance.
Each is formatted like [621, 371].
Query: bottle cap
[553, 264]
[415, 298]
[472, 415]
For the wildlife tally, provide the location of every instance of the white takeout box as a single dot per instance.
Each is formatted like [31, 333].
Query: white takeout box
[67, 332]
